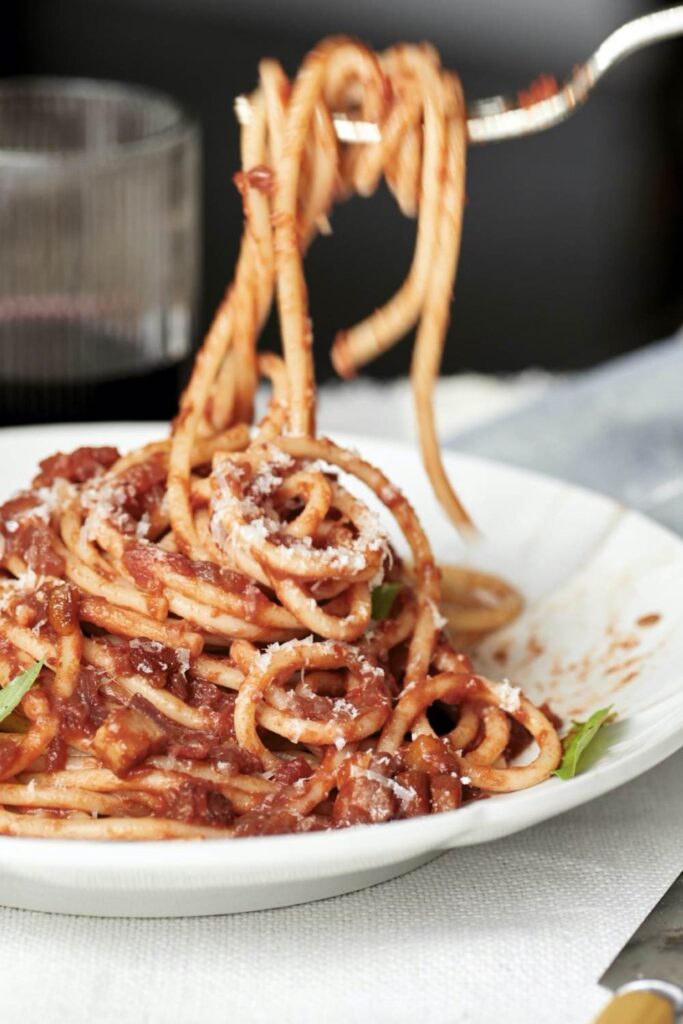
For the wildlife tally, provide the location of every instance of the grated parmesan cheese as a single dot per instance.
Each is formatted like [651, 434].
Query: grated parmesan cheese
[183, 658]
[141, 643]
[402, 792]
[346, 706]
[509, 696]
[248, 519]
[143, 526]
[439, 620]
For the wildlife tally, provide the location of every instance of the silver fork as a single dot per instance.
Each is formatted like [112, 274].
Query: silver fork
[501, 117]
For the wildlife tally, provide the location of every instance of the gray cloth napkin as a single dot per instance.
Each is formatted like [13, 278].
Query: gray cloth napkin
[617, 429]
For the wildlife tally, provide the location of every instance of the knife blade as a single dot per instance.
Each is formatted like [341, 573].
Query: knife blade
[647, 975]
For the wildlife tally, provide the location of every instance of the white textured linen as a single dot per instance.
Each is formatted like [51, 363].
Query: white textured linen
[516, 931]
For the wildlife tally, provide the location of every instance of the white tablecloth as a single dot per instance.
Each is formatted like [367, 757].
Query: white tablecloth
[516, 931]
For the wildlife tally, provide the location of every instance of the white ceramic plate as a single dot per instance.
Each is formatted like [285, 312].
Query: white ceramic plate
[589, 570]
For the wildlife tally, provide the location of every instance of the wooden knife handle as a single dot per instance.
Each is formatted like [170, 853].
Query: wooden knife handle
[638, 1008]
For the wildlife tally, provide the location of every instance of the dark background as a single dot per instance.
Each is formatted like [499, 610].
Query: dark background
[573, 243]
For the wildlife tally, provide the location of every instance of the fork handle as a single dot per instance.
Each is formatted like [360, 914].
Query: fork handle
[646, 1001]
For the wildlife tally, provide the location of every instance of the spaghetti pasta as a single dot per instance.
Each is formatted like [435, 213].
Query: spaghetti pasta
[205, 606]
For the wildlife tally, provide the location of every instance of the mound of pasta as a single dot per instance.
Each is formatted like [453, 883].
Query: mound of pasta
[213, 635]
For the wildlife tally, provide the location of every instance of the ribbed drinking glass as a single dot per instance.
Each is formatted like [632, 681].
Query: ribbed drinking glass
[99, 254]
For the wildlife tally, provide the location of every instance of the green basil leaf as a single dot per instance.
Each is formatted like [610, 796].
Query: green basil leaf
[579, 739]
[383, 598]
[11, 694]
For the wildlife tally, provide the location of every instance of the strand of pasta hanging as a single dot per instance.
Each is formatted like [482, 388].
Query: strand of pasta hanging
[213, 635]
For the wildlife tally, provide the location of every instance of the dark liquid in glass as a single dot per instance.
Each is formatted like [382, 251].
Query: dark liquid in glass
[50, 373]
